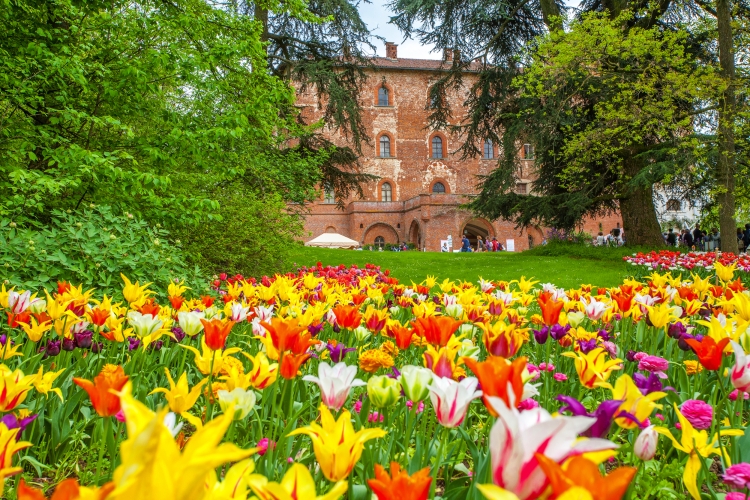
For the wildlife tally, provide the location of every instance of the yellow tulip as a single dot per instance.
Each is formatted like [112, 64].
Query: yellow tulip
[337, 447]
[43, 382]
[593, 367]
[725, 273]
[494, 492]
[179, 396]
[176, 289]
[56, 309]
[133, 292]
[203, 360]
[696, 444]
[152, 464]
[9, 445]
[263, 373]
[14, 386]
[633, 401]
[525, 285]
[297, 483]
[36, 330]
[661, 315]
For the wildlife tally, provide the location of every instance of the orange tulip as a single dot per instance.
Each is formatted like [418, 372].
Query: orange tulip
[709, 352]
[69, 489]
[216, 332]
[207, 300]
[101, 391]
[303, 342]
[402, 335]
[497, 376]
[624, 301]
[149, 307]
[399, 485]
[347, 316]
[375, 319]
[584, 475]
[290, 364]
[176, 302]
[550, 308]
[437, 330]
[284, 333]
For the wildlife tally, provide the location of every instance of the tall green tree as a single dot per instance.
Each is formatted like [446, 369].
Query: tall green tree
[147, 106]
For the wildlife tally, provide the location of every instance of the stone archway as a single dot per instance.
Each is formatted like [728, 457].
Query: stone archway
[380, 233]
[477, 227]
[534, 236]
[415, 234]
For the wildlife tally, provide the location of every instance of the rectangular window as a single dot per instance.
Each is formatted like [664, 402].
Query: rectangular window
[528, 152]
[521, 188]
[328, 195]
[489, 151]
[385, 147]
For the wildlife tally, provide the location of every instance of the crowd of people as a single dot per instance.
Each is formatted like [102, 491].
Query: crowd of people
[706, 241]
[615, 238]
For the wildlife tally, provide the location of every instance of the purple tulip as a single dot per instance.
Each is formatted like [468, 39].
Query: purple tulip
[97, 347]
[630, 356]
[676, 330]
[604, 414]
[83, 339]
[604, 335]
[178, 334]
[649, 384]
[338, 351]
[68, 344]
[541, 335]
[586, 346]
[557, 332]
[12, 422]
[315, 329]
[52, 348]
[133, 343]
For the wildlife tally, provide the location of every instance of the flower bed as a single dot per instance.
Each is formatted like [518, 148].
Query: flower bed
[700, 263]
[342, 382]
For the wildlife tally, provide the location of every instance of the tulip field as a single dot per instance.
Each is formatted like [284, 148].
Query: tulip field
[341, 382]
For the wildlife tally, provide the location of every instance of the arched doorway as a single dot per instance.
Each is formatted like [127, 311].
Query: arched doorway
[475, 228]
[415, 234]
[379, 235]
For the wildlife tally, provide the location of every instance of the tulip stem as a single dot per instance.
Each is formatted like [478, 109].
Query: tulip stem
[104, 436]
[210, 404]
[438, 460]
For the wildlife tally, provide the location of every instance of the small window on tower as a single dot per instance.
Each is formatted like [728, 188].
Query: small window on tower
[438, 188]
[328, 195]
[385, 192]
[437, 147]
[489, 150]
[383, 97]
[521, 188]
[385, 146]
[528, 152]
[674, 205]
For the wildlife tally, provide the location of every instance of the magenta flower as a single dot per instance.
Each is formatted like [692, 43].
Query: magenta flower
[738, 475]
[735, 495]
[699, 413]
[733, 395]
[560, 377]
[652, 364]
[528, 404]
[263, 445]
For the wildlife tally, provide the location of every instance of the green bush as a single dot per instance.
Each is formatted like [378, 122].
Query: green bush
[253, 236]
[91, 246]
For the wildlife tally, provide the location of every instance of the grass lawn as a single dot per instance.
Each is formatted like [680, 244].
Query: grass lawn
[603, 269]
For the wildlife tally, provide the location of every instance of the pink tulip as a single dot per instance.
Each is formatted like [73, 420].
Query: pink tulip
[451, 399]
[645, 445]
[516, 438]
[335, 382]
[740, 374]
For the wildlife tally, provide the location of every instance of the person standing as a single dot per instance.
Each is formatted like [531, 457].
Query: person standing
[480, 244]
[746, 237]
[698, 237]
[465, 244]
[671, 238]
[687, 239]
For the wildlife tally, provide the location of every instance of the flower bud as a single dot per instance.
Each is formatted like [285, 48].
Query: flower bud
[383, 391]
[575, 318]
[645, 445]
[239, 400]
[415, 381]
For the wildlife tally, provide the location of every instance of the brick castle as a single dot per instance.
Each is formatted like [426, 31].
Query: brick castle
[422, 183]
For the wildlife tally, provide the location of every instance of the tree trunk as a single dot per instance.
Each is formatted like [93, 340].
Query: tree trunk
[551, 15]
[726, 166]
[638, 212]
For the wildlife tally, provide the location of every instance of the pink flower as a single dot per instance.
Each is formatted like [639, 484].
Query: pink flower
[653, 364]
[375, 417]
[733, 395]
[358, 406]
[533, 371]
[120, 415]
[420, 406]
[735, 495]
[610, 347]
[263, 446]
[290, 460]
[660, 416]
[560, 377]
[699, 413]
[542, 366]
[738, 475]
[528, 404]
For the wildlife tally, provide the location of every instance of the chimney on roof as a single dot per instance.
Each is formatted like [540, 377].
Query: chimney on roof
[447, 55]
[391, 51]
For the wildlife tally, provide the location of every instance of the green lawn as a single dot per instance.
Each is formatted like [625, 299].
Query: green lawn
[564, 271]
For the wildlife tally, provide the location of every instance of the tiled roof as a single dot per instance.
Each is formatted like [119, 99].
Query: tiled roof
[418, 64]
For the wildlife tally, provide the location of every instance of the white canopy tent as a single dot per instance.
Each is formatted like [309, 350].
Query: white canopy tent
[332, 240]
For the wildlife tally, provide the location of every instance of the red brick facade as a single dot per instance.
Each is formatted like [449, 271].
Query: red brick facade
[406, 204]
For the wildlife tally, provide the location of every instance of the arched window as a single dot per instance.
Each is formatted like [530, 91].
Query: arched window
[385, 146]
[674, 205]
[379, 241]
[328, 195]
[438, 187]
[437, 147]
[383, 97]
[489, 151]
[386, 192]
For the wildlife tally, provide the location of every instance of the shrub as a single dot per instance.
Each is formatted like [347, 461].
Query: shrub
[253, 236]
[91, 246]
